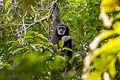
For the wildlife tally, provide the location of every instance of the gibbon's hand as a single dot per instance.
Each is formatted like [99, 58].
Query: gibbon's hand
[66, 38]
[55, 5]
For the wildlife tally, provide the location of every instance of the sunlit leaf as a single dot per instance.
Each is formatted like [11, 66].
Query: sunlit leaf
[28, 37]
[67, 49]
[4, 65]
[110, 5]
[61, 43]
[119, 57]
[111, 47]
[95, 75]
[116, 27]
[58, 63]
[55, 47]
[17, 50]
[112, 68]
[100, 37]
[7, 4]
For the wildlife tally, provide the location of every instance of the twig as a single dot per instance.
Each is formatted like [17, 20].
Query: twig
[48, 29]
[21, 41]
[44, 28]
[51, 11]
[36, 13]
[23, 20]
[38, 21]
[41, 20]
[30, 25]
[20, 24]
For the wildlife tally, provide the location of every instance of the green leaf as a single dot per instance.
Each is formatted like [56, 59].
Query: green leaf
[42, 36]
[4, 65]
[112, 69]
[28, 37]
[58, 63]
[55, 47]
[67, 49]
[119, 57]
[7, 4]
[73, 57]
[61, 43]
[17, 50]
[111, 47]
[94, 76]
[14, 43]
[116, 27]
[30, 33]
[1, 25]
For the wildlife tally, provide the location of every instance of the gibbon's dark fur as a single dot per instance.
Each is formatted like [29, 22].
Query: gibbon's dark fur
[56, 37]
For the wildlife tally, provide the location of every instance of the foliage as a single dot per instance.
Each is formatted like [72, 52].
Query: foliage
[25, 30]
[103, 59]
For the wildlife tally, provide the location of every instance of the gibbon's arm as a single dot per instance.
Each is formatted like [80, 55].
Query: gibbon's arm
[66, 38]
[56, 17]
[68, 44]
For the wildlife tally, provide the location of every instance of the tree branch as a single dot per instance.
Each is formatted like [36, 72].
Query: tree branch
[38, 21]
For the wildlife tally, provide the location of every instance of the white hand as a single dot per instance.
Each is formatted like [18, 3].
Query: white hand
[66, 38]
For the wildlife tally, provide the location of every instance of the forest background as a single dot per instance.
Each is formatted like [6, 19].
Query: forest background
[27, 54]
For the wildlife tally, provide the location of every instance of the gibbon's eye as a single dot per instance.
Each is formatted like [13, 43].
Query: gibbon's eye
[62, 28]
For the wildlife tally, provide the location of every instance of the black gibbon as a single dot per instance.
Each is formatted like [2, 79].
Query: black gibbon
[60, 32]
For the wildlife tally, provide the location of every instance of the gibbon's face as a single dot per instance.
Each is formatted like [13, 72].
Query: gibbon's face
[61, 30]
